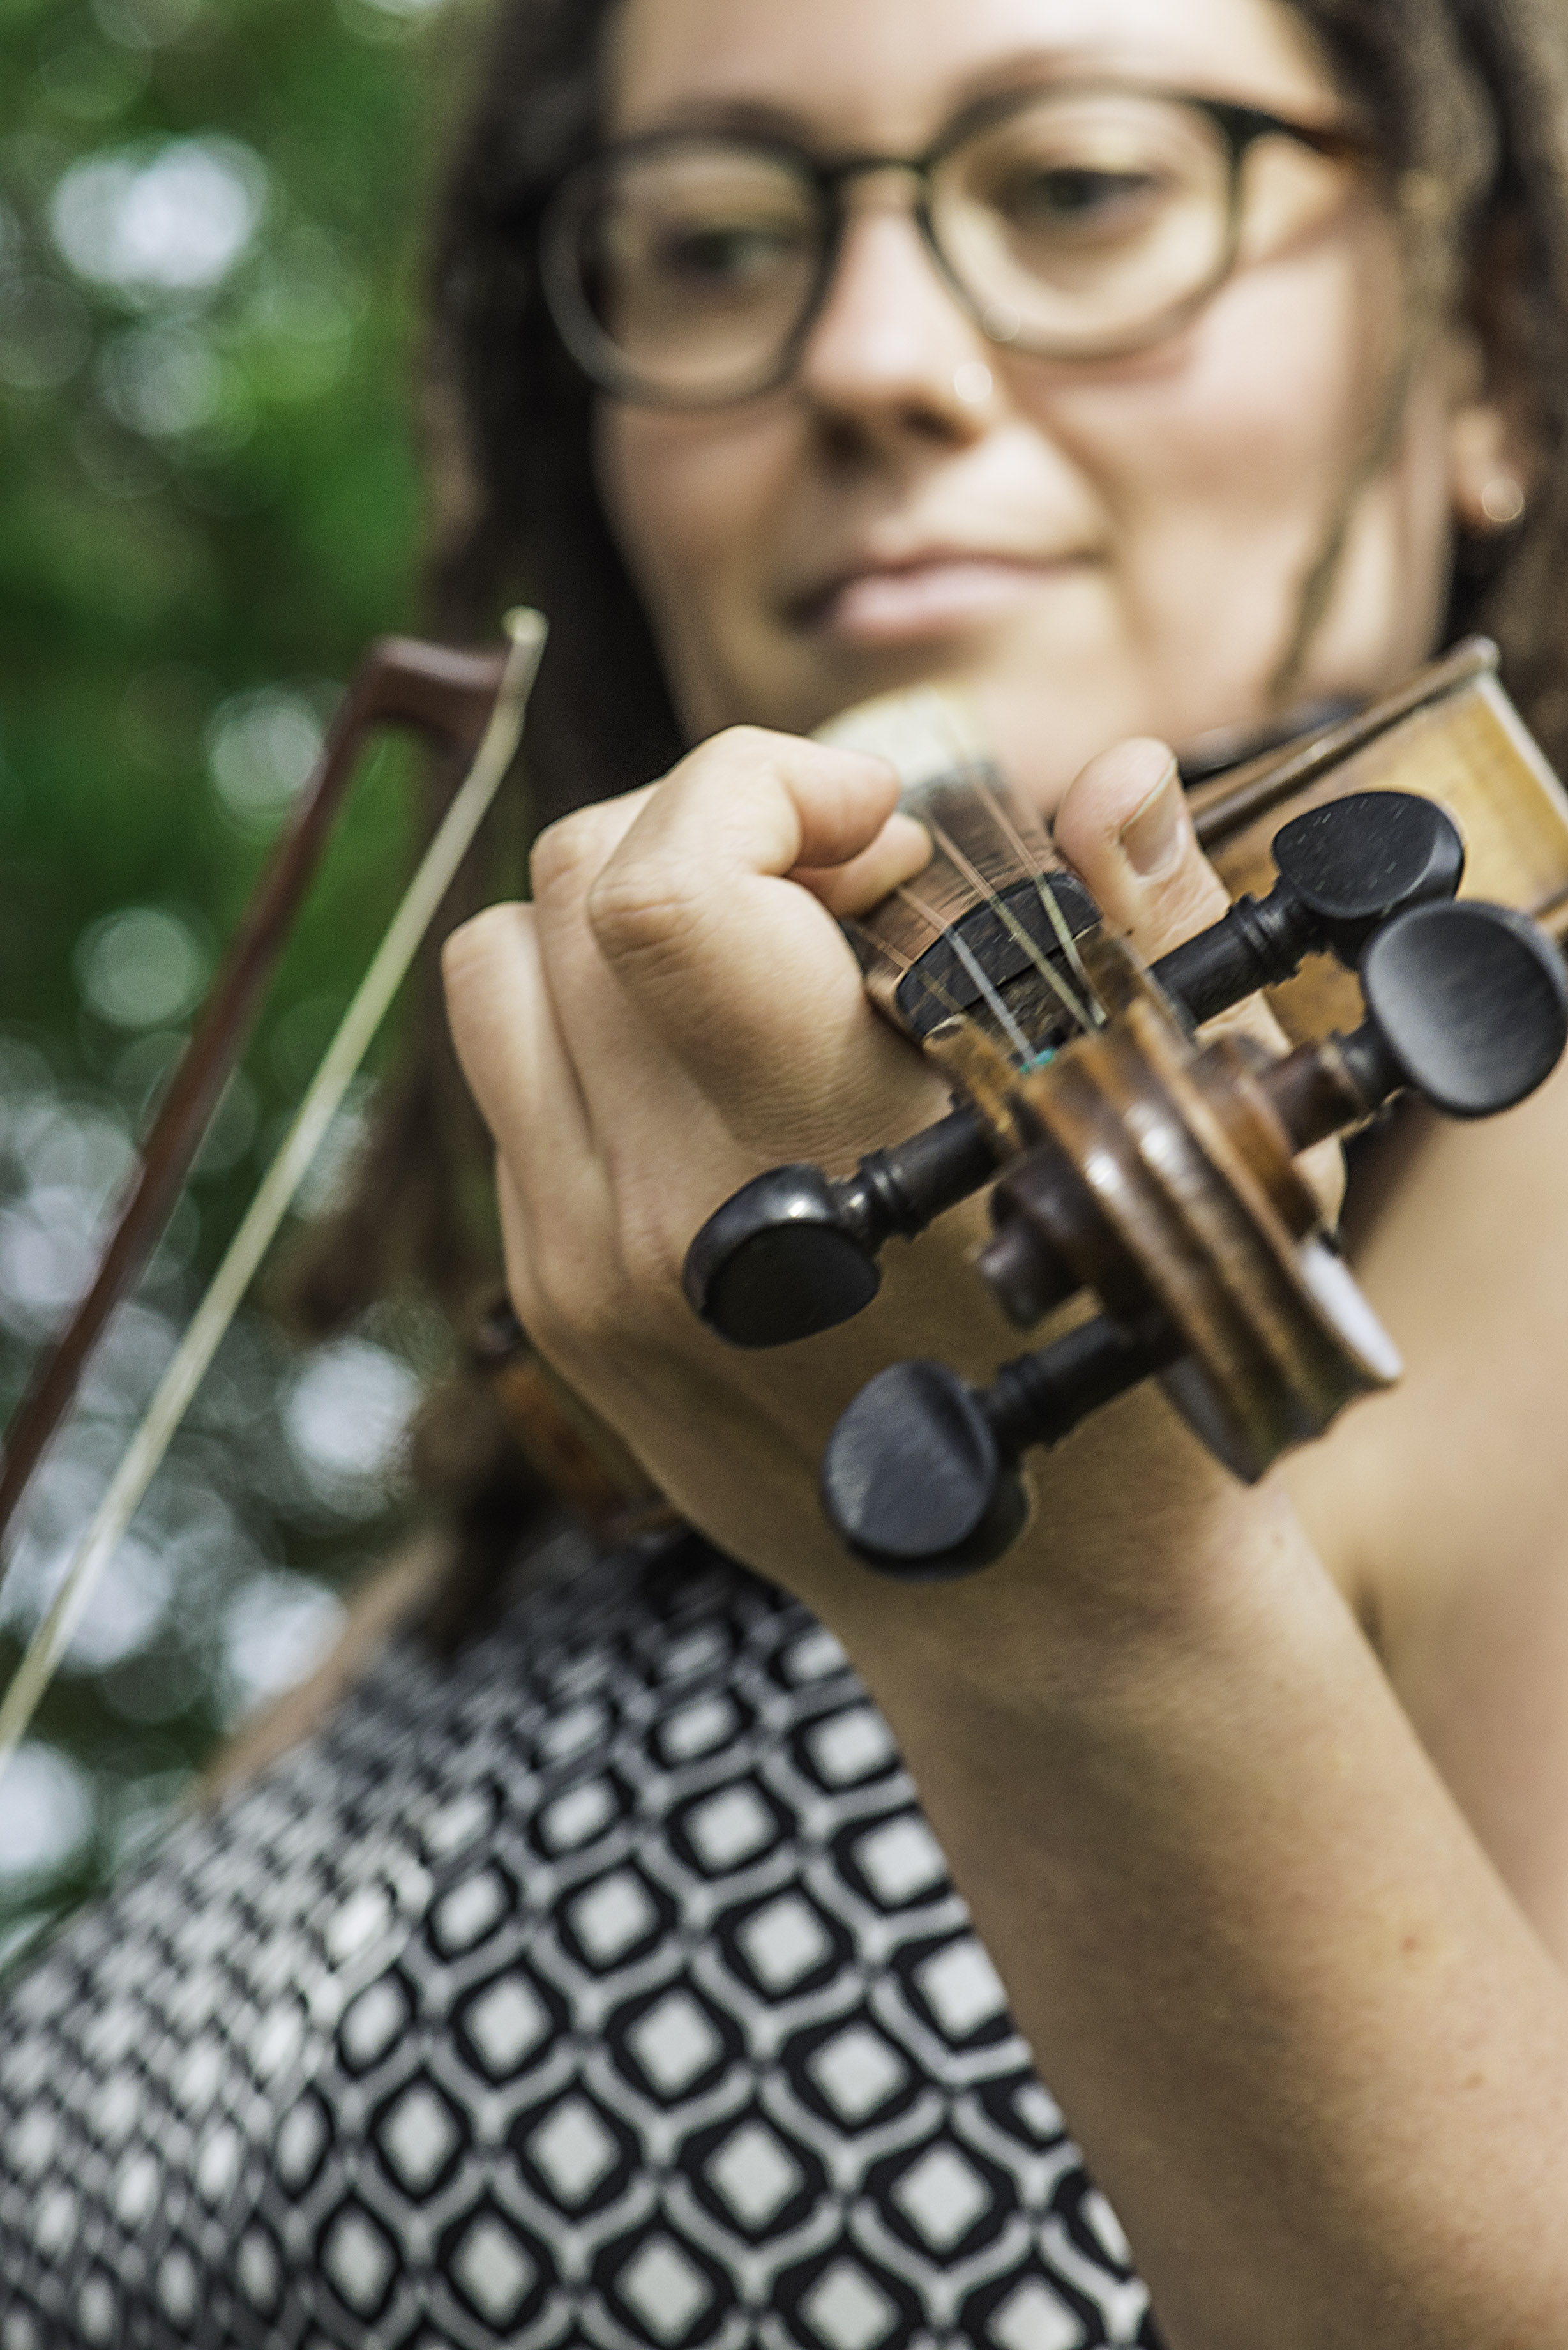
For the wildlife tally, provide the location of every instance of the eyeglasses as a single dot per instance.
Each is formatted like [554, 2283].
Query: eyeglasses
[685, 269]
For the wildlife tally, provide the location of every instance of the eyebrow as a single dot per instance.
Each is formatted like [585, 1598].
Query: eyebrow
[766, 118]
[752, 118]
[1033, 67]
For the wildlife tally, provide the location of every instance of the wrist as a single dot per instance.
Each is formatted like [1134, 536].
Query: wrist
[1124, 1592]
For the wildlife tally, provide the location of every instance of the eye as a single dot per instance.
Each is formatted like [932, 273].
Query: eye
[721, 256]
[1075, 197]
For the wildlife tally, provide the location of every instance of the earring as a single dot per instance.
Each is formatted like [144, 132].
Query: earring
[1502, 500]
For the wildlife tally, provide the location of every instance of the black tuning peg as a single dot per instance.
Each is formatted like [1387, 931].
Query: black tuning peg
[919, 1478]
[1344, 870]
[794, 1252]
[1467, 1003]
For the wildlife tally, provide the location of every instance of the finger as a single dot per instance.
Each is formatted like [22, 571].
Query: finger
[563, 1233]
[602, 1029]
[900, 851]
[742, 971]
[748, 807]
[1126, 829]
[511, 1052]
[629, 1084]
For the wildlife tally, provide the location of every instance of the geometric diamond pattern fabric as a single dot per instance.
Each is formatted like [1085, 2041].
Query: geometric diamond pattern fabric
[603, 1986]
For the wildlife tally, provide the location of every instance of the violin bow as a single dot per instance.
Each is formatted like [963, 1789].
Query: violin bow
[474, 701]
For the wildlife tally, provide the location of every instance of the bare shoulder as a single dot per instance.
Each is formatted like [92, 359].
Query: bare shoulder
[1443, 1507]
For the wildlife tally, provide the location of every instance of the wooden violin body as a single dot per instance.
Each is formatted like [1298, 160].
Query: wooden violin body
[1452, 735]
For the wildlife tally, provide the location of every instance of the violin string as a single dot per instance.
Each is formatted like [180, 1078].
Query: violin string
[966, 764]
[996, 809]
[910, 965]
[977, 972]
[195, 1352]
[1009, 919]
[944, 934]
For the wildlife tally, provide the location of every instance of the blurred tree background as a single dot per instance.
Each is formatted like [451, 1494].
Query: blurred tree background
[211, 218]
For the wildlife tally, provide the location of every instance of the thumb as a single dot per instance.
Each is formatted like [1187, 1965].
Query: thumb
[1126, 829]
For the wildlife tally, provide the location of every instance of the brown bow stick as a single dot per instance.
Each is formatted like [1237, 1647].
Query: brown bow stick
[368, 1005]
[430, 690]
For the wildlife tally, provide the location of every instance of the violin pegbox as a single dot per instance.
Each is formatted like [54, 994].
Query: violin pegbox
[1161, 1176]
[795, 1250]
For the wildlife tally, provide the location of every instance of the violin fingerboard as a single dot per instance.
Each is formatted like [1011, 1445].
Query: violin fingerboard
[967, 938]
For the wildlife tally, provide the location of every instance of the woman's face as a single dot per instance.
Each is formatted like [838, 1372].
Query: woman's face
[1100, 548]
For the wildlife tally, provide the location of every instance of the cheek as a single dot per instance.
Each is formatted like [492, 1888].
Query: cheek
[651, 488]
[1280, 402]
[1226, 463]
[693, 502]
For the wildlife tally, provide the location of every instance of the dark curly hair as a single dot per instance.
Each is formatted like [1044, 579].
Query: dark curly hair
[1467, 103]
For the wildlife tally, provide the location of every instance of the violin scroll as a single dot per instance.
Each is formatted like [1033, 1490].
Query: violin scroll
[1259, 1346]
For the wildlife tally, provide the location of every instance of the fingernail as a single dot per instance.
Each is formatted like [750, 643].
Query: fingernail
[1152, 835]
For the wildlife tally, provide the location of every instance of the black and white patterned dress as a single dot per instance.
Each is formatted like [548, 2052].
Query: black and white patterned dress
[605, 1986]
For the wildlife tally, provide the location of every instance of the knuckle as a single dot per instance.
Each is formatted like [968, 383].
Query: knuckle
[751, 746]
[473, 939]
[645, 914]
[751, 758]
[473, 954]
[564, 850]
[712, 763]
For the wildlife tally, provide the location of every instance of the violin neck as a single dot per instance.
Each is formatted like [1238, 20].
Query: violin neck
[987, 933]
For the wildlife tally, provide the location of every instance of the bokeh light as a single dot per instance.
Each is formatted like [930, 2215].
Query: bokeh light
[261, 748]
[156, 221]
[141, 968]
[46, 1813]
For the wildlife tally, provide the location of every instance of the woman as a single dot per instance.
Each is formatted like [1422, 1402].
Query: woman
[602, 1985]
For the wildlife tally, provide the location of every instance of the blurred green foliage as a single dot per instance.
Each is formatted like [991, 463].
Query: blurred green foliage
[211, 224]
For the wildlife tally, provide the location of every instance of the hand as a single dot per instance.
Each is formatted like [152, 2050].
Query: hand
[676, 1011]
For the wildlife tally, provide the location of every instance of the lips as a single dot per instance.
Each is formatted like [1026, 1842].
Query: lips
[933, 593]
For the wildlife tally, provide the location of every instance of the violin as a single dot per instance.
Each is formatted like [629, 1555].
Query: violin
[1415, 855]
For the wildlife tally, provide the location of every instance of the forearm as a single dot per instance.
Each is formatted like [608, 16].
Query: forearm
[1314, 2055]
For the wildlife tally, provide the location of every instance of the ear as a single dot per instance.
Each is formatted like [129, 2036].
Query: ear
[1491, 439]
[1487, 487]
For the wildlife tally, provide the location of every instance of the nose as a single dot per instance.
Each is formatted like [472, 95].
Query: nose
[891, 352]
